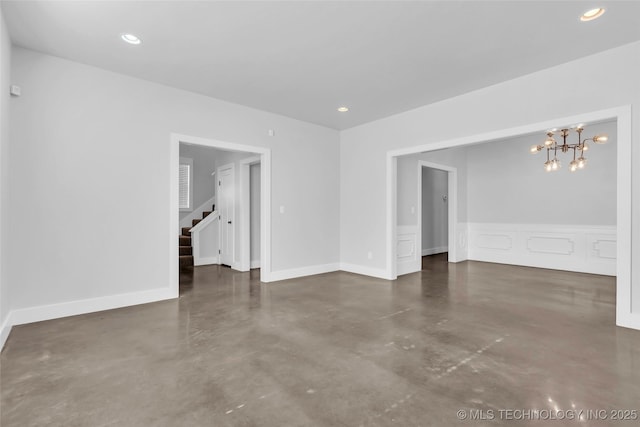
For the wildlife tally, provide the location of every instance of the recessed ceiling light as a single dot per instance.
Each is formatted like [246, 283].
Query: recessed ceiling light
[592, 14]
[131, 39]
[343, 109]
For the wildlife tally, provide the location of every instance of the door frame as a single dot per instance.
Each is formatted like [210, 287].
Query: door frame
[452, 208]
[265, 202]
[244, 261]
[625, 315]
[219, 170]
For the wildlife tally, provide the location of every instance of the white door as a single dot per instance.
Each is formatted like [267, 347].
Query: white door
[226, 202]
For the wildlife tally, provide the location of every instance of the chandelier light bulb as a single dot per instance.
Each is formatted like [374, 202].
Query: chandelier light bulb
[584, 147]
[582, 162]
[547, 166]
[535, 148]
[555, 164]
[549, 142]
[573, 166]
[600, 139]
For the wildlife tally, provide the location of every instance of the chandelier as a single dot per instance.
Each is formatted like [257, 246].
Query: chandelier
[552, 146]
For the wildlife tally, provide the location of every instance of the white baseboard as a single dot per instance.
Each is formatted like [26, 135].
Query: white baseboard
[5, 331]
[301, 272]
[628, 320]
[365, 271]
[436, 250]
[255, 264]
[206, 261]
[54, 311]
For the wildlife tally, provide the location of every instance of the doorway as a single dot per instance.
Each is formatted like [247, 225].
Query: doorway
[437, 210]
[264, 157]
[434, 213]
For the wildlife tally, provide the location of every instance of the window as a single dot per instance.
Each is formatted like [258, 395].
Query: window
[185, 184]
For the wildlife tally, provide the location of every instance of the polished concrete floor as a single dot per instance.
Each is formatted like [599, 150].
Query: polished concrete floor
[336, 349]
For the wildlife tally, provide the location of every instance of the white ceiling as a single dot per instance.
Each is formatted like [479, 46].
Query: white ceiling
[303, 59]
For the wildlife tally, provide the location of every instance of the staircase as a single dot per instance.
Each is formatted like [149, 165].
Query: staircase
[185, 251]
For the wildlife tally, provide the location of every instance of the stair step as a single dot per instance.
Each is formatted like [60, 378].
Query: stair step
[186, 250]
[185, 231]
[205, 214]
[185, 241]
[195, 222]
[186, 260]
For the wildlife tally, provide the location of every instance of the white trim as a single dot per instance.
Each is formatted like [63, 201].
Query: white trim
[364, 270]
[625, 315]
[195, 240]
[196, 213]
[433, 251]
[303, 271]
[254, 264]
[407, 250]
[624, 310]
[581, 248]
[392, 214]
[90, 305]
[244, 262]
[265, 199]
[5, 331]
[452, 208]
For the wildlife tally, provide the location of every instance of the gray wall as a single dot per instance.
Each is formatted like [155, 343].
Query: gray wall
[93, 146]
[435, 223]
[507, 184]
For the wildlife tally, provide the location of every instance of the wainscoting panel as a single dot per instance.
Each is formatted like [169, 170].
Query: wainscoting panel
[587, 249]
[409, 260]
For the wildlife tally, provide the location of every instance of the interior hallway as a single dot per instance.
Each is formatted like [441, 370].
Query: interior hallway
[336, 349]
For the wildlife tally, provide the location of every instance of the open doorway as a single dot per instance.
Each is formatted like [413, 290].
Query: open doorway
[547, 245]
[433, 202]
[231, 199]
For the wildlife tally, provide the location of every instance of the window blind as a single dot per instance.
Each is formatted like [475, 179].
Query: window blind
[185, 175]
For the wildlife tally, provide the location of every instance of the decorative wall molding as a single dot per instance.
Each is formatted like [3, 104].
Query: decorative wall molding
[407, 250]
[586, 249]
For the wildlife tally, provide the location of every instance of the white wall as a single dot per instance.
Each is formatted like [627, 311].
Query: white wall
[90, 146]
[612, 79]
[254, 176]
[507, 184]
[434, 211]
[5, 69]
